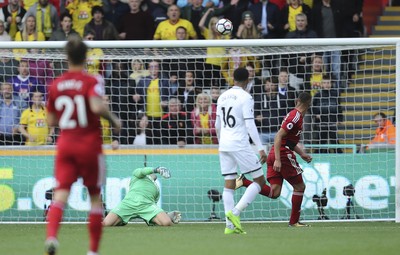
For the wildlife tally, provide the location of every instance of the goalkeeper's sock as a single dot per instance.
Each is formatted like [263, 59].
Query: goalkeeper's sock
[248, 197]
[265, 190]
[54, 218]
[297, 198]
[95, 228]
[229, 203]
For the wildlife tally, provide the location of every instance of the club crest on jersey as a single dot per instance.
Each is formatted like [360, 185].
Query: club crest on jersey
[289, 126]
[99, 89]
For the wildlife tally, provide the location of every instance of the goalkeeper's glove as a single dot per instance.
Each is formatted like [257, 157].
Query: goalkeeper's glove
[175, 216]
[163, 171]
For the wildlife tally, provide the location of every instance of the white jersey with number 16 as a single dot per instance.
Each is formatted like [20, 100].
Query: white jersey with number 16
[233, 108]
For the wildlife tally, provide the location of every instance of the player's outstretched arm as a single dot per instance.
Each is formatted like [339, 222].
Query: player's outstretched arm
[218, 126]
[142, 172]
[252, 130]
[277, 144]
[307, 158]
[175, 216]
[163, 171]
[51, 119]
[99, 108]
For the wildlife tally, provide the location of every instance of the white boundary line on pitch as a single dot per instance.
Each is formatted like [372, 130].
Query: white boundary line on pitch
[213, 222]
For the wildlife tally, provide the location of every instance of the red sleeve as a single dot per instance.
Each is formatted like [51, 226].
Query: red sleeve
[97, 87]
[291, 121]
[50, 101]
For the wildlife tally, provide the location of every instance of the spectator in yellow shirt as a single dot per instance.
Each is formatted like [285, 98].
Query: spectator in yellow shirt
[28, 3]
[108, 137]
[290, 11]
[212, 71]
[28, 33]
[81, 11]
[166, 30]
[33, 123]
[238, 57]
[12, 15]
[47, 18]
[94, 55]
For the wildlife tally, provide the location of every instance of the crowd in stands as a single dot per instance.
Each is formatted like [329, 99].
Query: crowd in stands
[165, 101]
[39, 20]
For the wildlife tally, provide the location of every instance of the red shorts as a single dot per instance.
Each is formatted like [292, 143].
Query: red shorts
[72, 163]
[290, 169]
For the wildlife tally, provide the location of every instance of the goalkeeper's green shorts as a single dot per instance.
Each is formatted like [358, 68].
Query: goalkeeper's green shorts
[127, 210]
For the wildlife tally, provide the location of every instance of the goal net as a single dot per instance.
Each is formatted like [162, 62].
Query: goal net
[353, 84]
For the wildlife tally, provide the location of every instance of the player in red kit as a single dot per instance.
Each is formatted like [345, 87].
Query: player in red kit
[282, 163]
[75, 104]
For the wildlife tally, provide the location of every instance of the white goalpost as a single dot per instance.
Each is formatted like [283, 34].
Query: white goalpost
[366, 84]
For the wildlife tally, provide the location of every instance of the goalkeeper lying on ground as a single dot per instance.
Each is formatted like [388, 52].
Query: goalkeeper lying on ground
[141, 201]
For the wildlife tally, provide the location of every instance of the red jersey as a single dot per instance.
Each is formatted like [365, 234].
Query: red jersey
[69, 100]
[293, 125]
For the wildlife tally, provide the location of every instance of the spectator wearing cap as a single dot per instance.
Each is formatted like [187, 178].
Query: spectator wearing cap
[248, 29]
[46, 15]
[267, 18]
[103, 29]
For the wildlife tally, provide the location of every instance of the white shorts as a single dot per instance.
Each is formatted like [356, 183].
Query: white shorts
[245, 160]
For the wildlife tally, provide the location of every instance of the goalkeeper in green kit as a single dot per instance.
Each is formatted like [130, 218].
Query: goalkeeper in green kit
[141, 201]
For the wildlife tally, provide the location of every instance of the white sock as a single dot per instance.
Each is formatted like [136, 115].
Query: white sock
[229, 203]
[248, 197]
[92, 253]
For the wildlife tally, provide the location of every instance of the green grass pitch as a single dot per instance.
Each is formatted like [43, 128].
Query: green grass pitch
[322, 238]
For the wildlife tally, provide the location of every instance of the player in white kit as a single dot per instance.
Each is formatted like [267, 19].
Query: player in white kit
[234, 124]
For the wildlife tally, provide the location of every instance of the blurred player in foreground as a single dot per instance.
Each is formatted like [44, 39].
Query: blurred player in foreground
[141, 201]
[282, 163]
[234, 124]
[75, 105]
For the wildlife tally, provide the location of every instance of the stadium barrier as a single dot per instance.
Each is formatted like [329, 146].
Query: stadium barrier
[195, 170]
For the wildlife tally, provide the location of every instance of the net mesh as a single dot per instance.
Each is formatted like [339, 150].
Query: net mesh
[336, 130]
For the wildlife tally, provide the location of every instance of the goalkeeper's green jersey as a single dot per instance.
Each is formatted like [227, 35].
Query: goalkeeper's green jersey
[142, 186]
